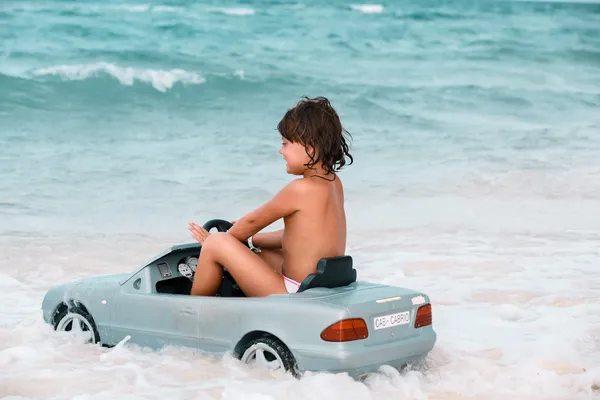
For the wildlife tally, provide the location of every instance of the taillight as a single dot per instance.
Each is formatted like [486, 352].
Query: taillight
[424, 317]
[346, 330]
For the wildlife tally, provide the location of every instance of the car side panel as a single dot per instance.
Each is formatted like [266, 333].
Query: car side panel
[219, 321]
[94, 295]
[155, 320]
[298, 323]
[55, 296]
[224, 321]
[96, 299]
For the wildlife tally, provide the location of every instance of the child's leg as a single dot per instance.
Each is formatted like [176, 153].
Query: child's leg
[274, 258]
[253, 274]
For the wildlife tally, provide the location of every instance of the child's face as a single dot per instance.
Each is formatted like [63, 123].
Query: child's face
[295, 157]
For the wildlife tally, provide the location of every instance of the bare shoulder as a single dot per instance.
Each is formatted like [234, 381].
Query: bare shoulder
[338, 182]
[317, 187]
[308, 186]
[297, 186]
[303, 188]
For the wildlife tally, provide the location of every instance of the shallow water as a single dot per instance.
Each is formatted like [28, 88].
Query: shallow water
[476, 138]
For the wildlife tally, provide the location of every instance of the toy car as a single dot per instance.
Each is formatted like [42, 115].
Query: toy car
[333, 323]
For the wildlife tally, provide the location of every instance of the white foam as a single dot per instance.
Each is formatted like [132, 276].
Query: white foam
[161, 80]
[367, 8]
[91, 7]
[239, 73]
[518, 316]
[238, 11]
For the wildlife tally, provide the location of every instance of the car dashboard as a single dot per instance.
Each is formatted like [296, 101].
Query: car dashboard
[173, 273]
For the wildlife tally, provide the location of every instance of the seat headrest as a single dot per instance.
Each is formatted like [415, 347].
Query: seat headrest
[331, 272]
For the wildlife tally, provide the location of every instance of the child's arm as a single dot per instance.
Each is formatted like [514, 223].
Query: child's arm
[268, 240]
[286, 202]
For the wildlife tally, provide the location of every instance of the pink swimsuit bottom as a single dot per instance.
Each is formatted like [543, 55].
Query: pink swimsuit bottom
[291, 285]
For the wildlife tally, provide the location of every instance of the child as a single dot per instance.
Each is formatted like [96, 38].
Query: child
[314, 147]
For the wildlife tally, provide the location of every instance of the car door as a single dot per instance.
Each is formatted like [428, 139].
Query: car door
[220, 319]
[154, 319]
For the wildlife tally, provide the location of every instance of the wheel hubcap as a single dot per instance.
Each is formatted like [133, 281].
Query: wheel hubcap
[263, 356]
[78, 325]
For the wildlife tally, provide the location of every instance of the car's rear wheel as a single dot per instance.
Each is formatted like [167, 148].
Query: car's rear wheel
[78, 321]
[269, 353]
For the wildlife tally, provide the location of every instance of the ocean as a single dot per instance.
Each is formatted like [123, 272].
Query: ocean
[476, 178]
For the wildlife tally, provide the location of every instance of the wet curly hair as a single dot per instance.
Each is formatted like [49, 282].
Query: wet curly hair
[313, 122]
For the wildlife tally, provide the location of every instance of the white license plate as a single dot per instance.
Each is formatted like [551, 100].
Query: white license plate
[387, 321]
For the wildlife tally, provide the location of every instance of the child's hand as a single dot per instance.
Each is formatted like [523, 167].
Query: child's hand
[198, 232]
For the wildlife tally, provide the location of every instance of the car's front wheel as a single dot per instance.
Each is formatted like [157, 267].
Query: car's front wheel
[78, 321]
[269, 353]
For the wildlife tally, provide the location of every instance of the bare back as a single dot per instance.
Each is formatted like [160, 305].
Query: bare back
[317, 230]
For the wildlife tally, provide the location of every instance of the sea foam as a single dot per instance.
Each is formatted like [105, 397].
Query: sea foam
[161, 80]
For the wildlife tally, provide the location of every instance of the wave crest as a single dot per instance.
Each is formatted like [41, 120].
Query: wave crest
[161, 80]
[239, 11]
[367, 8]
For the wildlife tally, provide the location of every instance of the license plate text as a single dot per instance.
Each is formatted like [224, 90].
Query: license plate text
[387, 321]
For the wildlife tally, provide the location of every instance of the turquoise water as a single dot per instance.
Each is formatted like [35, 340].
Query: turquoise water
[105, 104]
[476, 140]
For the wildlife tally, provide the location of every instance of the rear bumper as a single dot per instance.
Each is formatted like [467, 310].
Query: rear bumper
[357, 359]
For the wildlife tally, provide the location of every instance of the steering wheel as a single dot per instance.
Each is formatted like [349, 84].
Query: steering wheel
[227, 284]
[188, 270]
[220, 224]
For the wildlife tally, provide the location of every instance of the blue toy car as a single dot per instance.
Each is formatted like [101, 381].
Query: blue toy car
[333, 323]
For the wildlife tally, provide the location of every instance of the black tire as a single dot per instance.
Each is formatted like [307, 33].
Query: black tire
[66, 315]
[274, 351]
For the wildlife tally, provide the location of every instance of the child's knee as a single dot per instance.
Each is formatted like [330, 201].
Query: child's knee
[214, 240]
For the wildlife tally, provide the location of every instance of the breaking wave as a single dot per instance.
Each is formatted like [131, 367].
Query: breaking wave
[367, 8]
[161, 80]
[239, 11]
